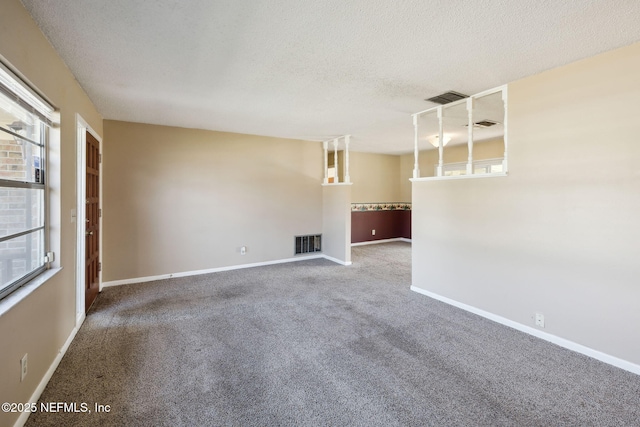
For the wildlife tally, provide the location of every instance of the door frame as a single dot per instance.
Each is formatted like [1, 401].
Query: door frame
[79, 215]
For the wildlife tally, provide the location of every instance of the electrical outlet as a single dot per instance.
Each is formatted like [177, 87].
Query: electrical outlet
[373, 232]
[540, 320]
[23, 367]
[243, 250]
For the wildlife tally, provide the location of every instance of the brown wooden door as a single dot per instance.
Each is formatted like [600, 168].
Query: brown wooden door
[92, 233]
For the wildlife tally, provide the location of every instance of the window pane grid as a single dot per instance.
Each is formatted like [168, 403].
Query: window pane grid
[20, 256]
[455, 128]
[20, 184]
[23, 140]
[20, 160]
[21, 209]
[22, 233]
[17, 135]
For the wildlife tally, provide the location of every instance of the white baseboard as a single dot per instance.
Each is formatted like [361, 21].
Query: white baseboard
[570, 345]
[80, 319]
[22, 419]
[212, 270]
[336, 260]
[374, 242]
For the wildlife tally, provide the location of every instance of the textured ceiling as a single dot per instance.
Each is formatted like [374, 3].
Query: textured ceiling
[315, 69]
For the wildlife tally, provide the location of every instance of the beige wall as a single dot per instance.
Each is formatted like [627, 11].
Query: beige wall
[41, 323]
[375, 177]
[336, 217]
[406, 173]
[178, 200]
[560, 234]
[557, 236]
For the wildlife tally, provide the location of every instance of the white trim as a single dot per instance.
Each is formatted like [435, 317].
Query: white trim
[464, 166]
[374, 242]
[80, 213]
[325, 147]
[81, 162]
[331, 184]
[336, 260]
[562, 342]
[444, 178]
[80, 319]
[22, 419]
[15, 83]
[208, 270]
[468, 168]
[463, 100]
[8, 66]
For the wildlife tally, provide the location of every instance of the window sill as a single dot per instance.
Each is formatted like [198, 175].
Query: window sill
[444, 178]
[333, 184]
[24, 291]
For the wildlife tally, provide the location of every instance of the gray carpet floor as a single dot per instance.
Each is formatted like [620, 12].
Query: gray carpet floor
[313, 343]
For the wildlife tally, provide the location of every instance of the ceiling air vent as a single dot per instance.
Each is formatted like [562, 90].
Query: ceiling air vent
[447, 97]
[483, 124]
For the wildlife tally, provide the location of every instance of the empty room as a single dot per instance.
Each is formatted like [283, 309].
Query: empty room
[319, 213]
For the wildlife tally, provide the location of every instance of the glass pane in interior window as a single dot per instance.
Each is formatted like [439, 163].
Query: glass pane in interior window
[21, 209]
[488, 127]
[20, 256]
[455, 120]
[455, 172]
[428, 127]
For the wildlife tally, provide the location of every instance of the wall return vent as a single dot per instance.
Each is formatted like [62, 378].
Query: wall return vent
[307, 244]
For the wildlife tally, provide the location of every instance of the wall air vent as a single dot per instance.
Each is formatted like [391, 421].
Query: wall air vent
[306, 244]
[447, 97]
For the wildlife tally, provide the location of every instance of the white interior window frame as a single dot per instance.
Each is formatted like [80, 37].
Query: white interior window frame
[462, 166]
[470, 164]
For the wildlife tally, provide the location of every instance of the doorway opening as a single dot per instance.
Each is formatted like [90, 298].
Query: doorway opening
[88, 217]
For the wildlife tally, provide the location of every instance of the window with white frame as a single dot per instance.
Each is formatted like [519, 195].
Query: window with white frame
[24, 130]
[456, 128]
[479, 167]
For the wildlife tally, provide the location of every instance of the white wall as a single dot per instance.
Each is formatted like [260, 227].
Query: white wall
[560, 235]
